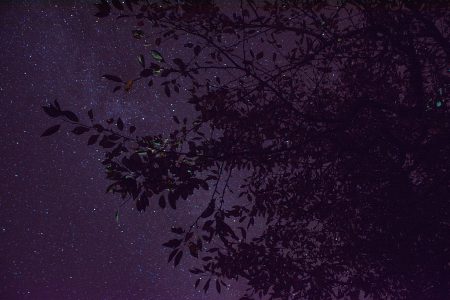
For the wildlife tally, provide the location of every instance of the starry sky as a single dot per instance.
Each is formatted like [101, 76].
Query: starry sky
[59, 238]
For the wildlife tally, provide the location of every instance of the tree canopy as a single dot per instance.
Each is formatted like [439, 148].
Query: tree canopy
[336, 115]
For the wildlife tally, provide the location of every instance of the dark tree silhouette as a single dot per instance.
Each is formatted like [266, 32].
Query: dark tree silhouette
[337, 116]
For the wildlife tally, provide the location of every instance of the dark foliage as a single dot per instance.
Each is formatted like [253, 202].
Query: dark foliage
[338, 115]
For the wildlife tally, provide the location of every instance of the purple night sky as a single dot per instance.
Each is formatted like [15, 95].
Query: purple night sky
[59, 238]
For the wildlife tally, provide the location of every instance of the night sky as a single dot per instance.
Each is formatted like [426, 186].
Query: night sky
[59, 238]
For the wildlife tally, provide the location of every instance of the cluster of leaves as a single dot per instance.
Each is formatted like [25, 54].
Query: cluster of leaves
[338, 124]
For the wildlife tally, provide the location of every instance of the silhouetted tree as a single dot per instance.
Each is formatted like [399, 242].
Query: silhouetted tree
[337, 116]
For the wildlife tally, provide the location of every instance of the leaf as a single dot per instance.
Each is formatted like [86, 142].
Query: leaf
[178, 258]
[117, 88]
[146, 73]
[141, 60]
[142, 202]
[103, 9]
[172, 254]
[172, 243]
[164, 72]
[197, 283]
[193, 250]
[176, 119]
[209, 210]
[217, 286]
[112, 78]
[106, 143]
[128, 85]
[179, 62]
[167, 90]
[137, 34]
[80, 130]
[156, 56]
[70, 115]
[91, 115]
[51, 111]
[120, 124]
[57, 104]
[51, 130]
[117, 4]
[177, 230]
[197, 50]
[188, 236]
[132, 128]
[204, 185]
[196, 271]
[150, 83]
[162, 202]
[243, 232]
[117, 216]
[172, 200]
[128, 3]
[93, 139]
[99, 127]
[206, 286]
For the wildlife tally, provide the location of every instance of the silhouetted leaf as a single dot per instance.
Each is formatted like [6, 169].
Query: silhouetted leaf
[173, 243]
[197, 283]
[178, 258]
[51, 111]
[209, 210]
[218, 286]
[193, 250]
[162, 202]
[117, 88]
[172, 200]
[179, 62]
[112, 78]
[165, 72]
[196, 271]
[91, 115]
[197, 50]
[177, 230]
[146, 73]
[172, 254]
[132, 129]
[57, 104]
[99, 127]
[93, 139]
[128, 85]
[117, 4]
[204, 185]
[206, 286]
[80, 130]
[70, 115]
[103, 9]
[51, 130]
[176, 119]
[142, 202]
[167, 90]
[120, 124]
[106, 143]
[188, 236]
